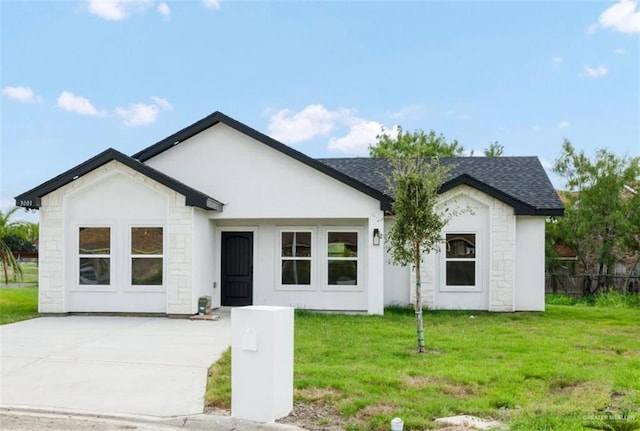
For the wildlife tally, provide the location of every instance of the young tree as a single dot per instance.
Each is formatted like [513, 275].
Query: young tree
[419, 218]
[598, 220]
[414, 144]
[8, 230]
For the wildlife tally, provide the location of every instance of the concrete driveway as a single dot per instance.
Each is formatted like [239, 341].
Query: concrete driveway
[110, 365]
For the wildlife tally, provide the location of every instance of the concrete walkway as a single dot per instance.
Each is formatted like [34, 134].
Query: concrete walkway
[110, 365]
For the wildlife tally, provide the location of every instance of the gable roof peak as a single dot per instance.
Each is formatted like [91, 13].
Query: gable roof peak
[31, 199]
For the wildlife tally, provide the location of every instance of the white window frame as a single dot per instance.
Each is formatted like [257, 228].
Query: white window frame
[324, 256]
[313, 259]
[130, 287]
[111, 256]
[476, 287]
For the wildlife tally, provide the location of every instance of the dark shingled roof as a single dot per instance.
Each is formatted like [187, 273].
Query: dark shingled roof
[518, 181]
[31, 199]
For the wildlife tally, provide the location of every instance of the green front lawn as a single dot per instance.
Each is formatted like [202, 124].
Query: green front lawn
[18, 304]
[534, 371]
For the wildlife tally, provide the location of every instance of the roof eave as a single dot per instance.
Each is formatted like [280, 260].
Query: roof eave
[32, 198]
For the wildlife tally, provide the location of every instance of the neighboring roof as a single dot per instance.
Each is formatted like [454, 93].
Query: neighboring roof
[565, 252]
[31, 199]
[520, 182]
[218, 117]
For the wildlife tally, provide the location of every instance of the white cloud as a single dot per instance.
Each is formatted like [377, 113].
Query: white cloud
[595, 72]
[117, 10]
[359, 137]
[546, 164]
[620, 51]
[211, 4]
[164, 10]
[21, 94]
[621, 17]
[162, 103]
[347, 132]
[563, 124]
[557, 61]
[138, 114]
[142, 114]
[77, 104]
[535, 128]
[408, 111]
[312, 121]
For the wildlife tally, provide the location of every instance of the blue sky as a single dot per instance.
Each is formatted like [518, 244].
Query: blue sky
[78, 77]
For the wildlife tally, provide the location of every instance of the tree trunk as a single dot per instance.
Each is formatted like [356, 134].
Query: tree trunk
[625, 286]
[418, 304]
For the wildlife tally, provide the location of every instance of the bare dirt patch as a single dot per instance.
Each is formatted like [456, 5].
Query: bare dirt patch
[315, 417]
[448, 387]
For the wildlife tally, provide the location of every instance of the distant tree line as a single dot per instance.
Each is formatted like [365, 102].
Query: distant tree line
[601, 222]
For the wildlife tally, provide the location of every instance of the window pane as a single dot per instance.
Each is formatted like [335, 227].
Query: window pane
[296, 272]
[296, 244]
[146, 240]
[343, 272]
[461, 246]
[95, 270]
[94, 240]
[342, 244]
[461, 273]
[146, 271]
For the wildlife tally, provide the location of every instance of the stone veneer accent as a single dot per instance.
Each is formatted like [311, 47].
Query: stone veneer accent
[179, 233]
[502, 251]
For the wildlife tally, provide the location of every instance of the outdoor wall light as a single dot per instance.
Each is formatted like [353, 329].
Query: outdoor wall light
[376, 236]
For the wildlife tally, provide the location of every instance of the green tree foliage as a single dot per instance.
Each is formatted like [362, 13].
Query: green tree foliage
[10, 230]
[414, 144]
[600, 217]
[419, 218]
[494, 150]
[421, 144]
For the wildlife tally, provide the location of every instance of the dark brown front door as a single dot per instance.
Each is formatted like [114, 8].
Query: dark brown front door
[237, 268]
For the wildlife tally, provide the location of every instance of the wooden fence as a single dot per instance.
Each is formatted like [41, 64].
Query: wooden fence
[583, 284]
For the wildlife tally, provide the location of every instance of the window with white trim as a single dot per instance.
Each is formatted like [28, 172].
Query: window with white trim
[94, 254]
[295, 257]
[146, 256]
[342, 258]
[460, 259]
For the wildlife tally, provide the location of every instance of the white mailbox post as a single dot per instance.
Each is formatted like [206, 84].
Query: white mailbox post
[261, 363]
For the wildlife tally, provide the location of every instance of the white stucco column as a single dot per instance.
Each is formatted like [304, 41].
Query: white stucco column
[262, 362]
[375, 267]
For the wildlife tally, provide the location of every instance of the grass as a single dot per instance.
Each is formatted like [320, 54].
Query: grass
[609, 300]
[534, 371]
[18, 304]
[29, 274]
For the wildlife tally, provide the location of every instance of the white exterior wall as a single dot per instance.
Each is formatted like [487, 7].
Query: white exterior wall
[51, 291]
[530, 263]
[494, 224]
[267, 289]
[204, 254]
[255, 181]
[262, 189]
[118, 197]
[396, 278]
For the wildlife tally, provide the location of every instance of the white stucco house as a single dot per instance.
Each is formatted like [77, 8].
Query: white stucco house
[219, 209]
